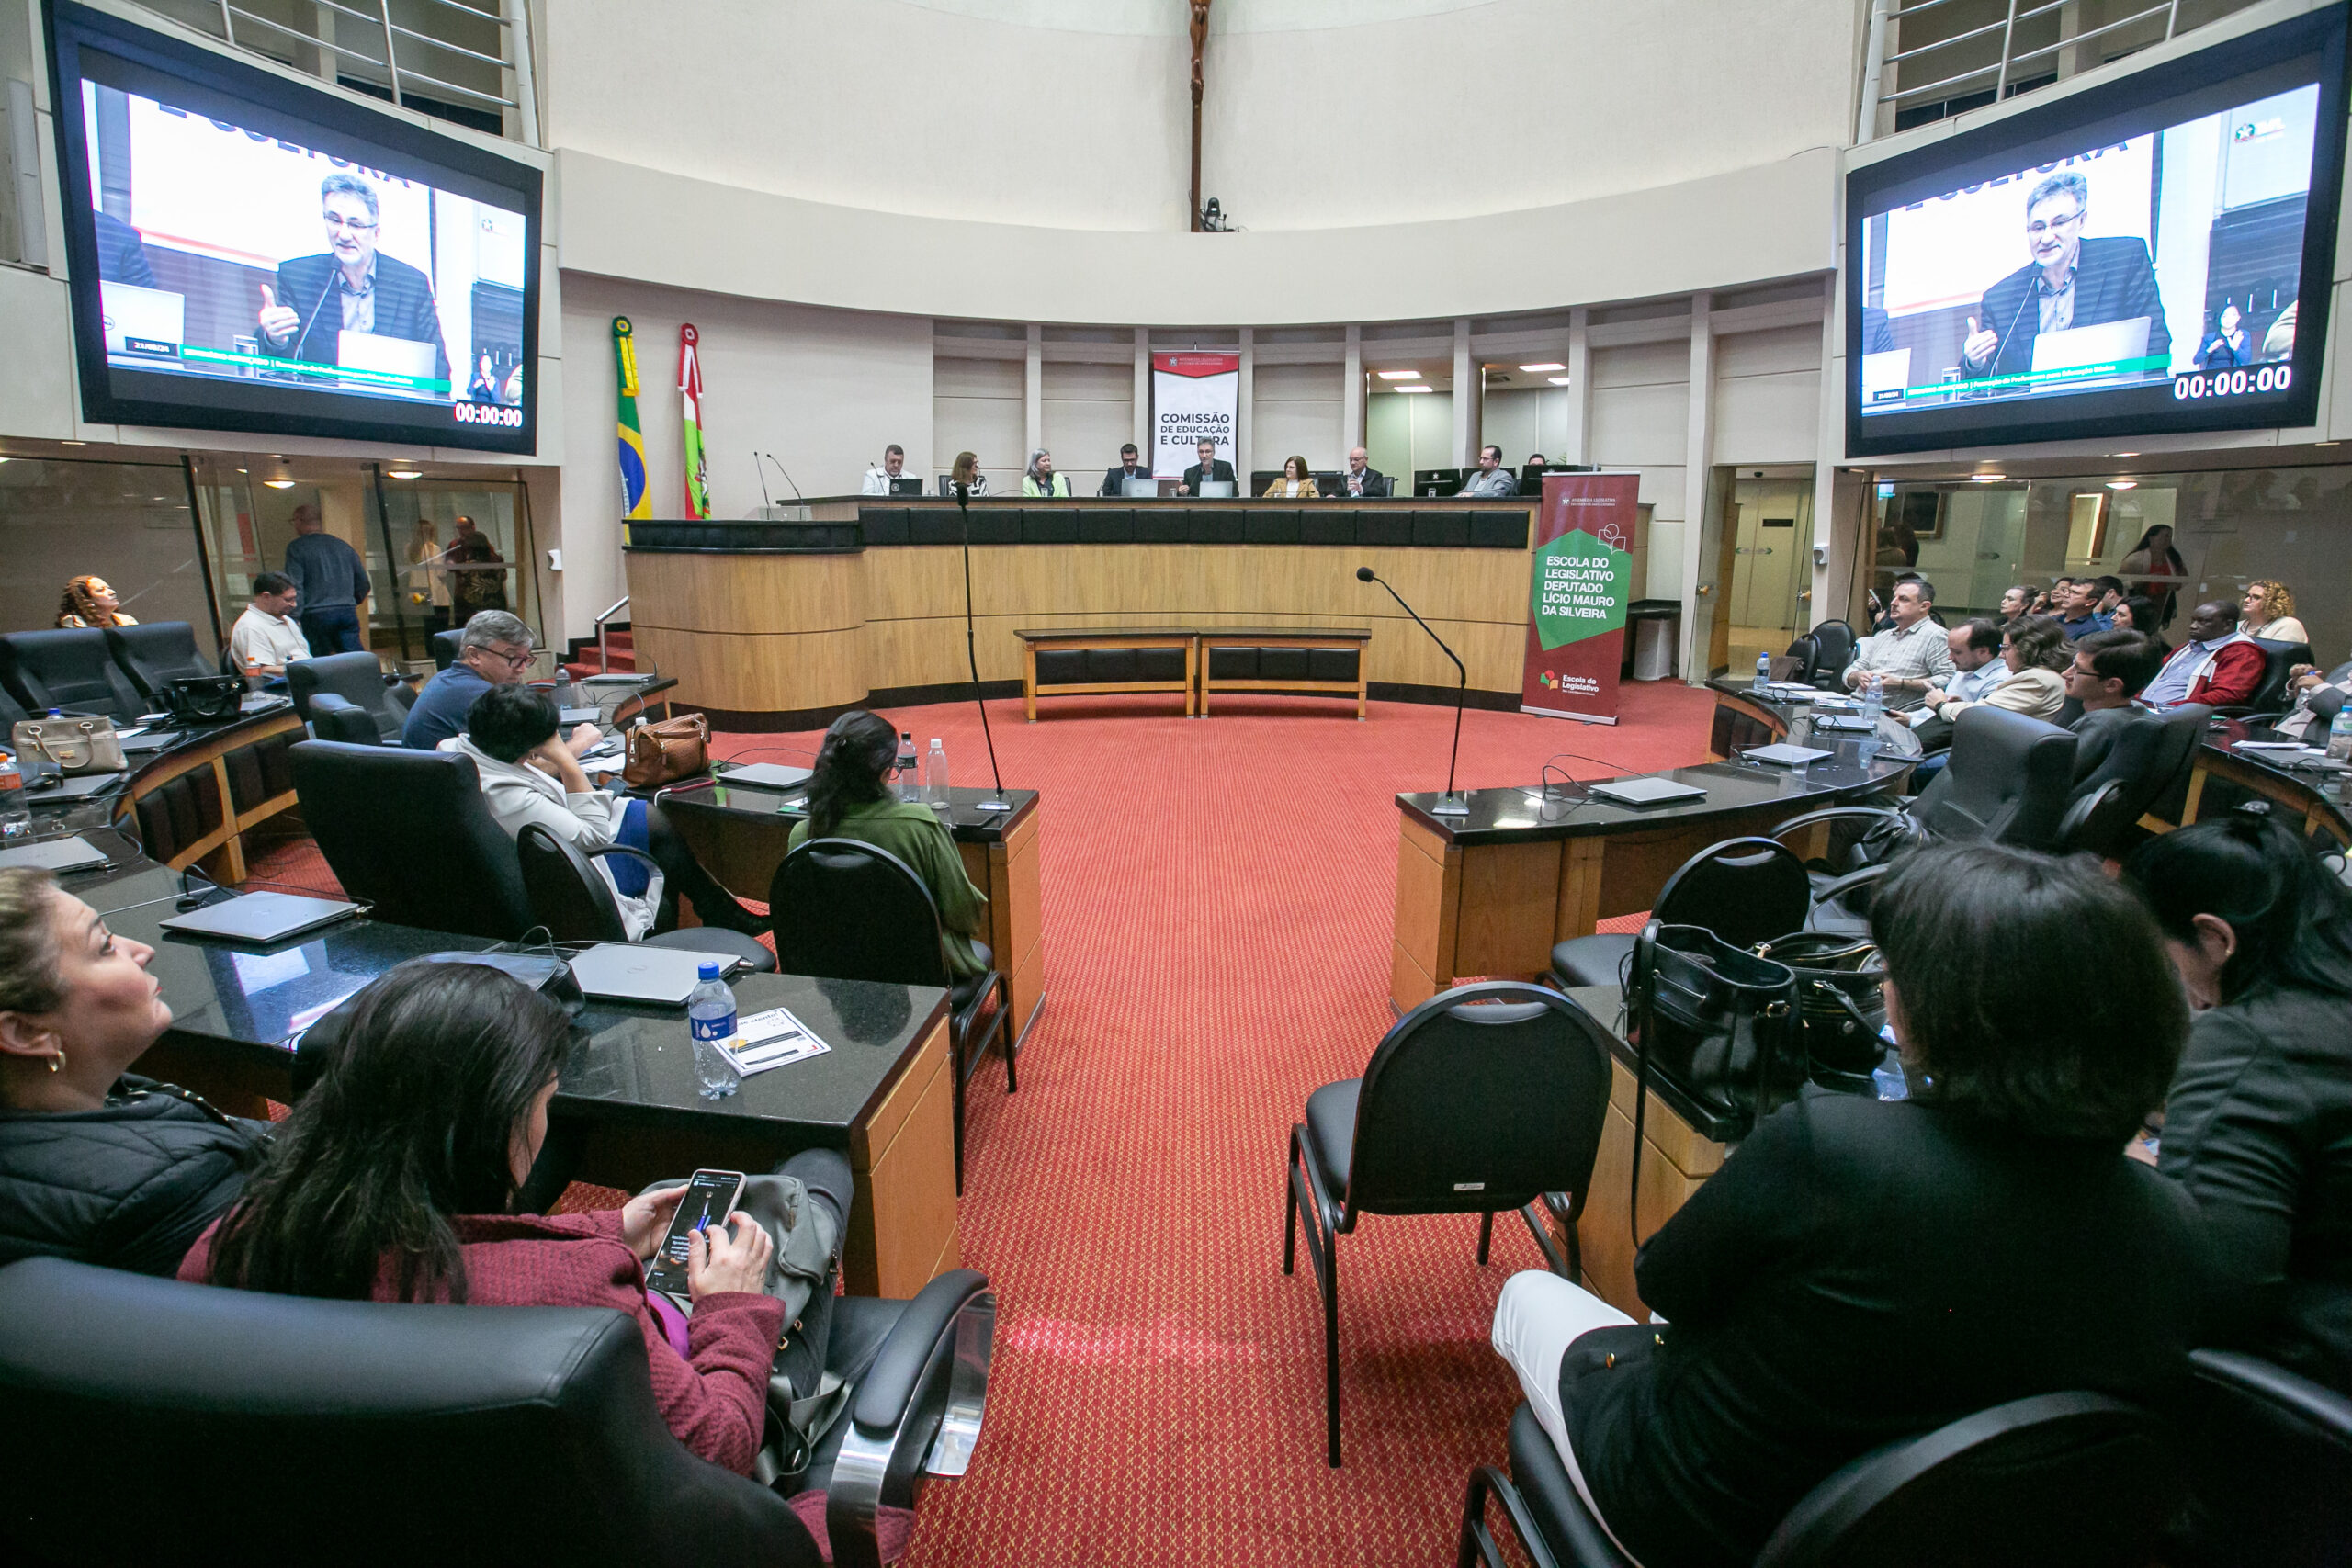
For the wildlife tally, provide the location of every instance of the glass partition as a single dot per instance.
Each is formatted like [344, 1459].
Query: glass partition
[127, 523]
[459, 546]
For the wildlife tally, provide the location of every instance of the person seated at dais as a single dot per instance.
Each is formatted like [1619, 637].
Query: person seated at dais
[1490, 480]
[851, 796]
[1041, 480]
[2259, 1122]
[1861, 1271]
[96, 1164]
[1297, 483]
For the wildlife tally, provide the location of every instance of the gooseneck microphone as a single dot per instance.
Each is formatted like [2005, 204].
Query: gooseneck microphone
[767, 502]
[964, 511]
[1451, 803]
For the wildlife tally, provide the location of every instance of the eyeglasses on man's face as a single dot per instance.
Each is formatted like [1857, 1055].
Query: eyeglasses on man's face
[357, 225]
[2039, 229]
[514, 657]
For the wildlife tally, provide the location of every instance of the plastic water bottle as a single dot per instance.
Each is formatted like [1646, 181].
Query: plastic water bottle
[908, 775]
[2339, 736]
[1888, 1077]
[15, 817]
[934, 775]
[1874, 696]
[1763, 674]
[710, 1014]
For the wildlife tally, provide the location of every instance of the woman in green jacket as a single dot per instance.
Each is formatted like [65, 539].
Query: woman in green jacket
[851, 796]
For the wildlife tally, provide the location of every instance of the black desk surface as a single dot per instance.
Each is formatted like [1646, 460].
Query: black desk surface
[1518, 816]
[2302, 783]
[716, 798]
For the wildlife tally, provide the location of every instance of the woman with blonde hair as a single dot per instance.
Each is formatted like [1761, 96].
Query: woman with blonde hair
[2267, 612]
[1297, 483]
[91, 602]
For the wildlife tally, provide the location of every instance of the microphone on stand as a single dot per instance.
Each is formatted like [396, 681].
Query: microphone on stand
[1450, 804]
[767, 503]
[964, 511]
[788, 480]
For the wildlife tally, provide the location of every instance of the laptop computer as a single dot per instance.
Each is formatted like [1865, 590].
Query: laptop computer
[629, 972]
[260, 916]
[906, 484]
[143, 324]
[767, 775]
[1144, 488]
[580, 716]
[1786, 755]
[1646, 790]
[2100, 345]
[52, 854]
[1218, 489]
[1885, 374]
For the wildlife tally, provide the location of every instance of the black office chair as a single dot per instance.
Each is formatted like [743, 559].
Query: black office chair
[155, 655]
[264, 1428]
[2270, 696]
[410, 833]
[347, 696]
[2009, 782]
[2056, 1481]
[2270, 1467]
[1837, 642]
[70, 668]
[1744, 890]
[847, 910]
[445, 646]
[577, 905]
[1485, 1098]
[2150, 758]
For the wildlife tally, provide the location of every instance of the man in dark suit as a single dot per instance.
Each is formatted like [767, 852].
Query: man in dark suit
[1363, 479]
[1210, 469]
[352, 288]
[2071, 282]
[122, 254]
[1114, 482]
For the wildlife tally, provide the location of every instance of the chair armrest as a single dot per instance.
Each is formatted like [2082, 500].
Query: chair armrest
[627, 852]
[2084, 813]
[1840, 813]
[897, 1375]
[2246, 716]
[328, 701]
[1829, 893]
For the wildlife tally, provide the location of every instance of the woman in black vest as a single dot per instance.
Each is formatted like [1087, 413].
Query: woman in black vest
[97, 1165]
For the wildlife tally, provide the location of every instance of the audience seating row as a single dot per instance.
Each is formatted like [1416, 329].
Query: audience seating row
[121, 671]
[1202, 522]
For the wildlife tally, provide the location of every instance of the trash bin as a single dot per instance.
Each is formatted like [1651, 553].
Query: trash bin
[1655, 636]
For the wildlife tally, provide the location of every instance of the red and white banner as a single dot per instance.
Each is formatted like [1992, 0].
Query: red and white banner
[1193, 396]
[1579, 578]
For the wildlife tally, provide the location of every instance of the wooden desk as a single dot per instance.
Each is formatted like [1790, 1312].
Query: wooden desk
[2294, 792]
[1490, 893]
[194, 801]
[741, 834]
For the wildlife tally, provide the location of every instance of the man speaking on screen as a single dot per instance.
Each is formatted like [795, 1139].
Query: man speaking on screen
[2071, 282]
[351, 289]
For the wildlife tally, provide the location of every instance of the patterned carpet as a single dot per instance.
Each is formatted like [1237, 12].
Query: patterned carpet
[1218, 897]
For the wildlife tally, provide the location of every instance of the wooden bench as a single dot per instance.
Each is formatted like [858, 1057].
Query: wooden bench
[1078, 660]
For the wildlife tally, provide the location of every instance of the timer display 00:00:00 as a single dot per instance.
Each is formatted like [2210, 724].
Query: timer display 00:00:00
[2233, 383]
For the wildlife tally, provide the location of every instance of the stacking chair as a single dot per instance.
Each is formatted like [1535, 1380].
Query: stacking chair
[2270, 1469]
[2056, 1481]
[347, 696]
[155, 655]
[410, 833]
[575, 904]
[70, 668]
[395, 1434]
[1744, 890]
[847, 910]
[1485, 1098]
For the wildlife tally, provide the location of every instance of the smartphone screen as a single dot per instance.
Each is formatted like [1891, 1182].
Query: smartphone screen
[710, 1198]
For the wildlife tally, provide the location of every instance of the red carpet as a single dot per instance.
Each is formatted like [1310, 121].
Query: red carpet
[1218, 894]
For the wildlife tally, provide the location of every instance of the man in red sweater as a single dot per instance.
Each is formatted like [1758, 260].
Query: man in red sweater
[2216, 666]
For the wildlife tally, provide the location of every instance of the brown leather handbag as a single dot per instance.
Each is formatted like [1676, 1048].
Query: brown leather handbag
[665, 752]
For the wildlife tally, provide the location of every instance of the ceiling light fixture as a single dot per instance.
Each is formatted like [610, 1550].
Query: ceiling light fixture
[2123, 484]
[1419, 388]
[405, 473]
[1548, 365]
[280, 484]
[73, 444]
[2127, 454]
[1399, 375]
[1986, 478]
[1558, 380]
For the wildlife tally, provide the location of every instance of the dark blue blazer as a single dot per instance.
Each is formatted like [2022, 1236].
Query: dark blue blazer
[2113, 282]
[123, 255]
[404, 307]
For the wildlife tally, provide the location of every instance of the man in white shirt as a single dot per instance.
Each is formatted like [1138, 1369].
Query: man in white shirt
[1912, 655]
[266, 639]
[894, 463]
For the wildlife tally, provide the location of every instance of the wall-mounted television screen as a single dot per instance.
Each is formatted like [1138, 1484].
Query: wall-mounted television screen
[249, 253]
[2150, 255]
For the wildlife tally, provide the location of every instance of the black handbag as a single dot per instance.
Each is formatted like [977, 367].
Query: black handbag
[204, 699]
[1839, 1007]
[1720, 1021]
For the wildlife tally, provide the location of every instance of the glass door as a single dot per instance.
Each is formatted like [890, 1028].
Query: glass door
[453, 548]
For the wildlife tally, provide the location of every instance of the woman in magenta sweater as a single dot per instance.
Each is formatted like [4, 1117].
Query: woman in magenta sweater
[395, 1175]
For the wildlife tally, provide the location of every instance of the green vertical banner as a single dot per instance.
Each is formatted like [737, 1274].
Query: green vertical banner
[690, 421]
[1579, 576]
[634, 503]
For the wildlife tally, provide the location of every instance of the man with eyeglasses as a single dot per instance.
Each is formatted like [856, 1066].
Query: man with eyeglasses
[2071, 282]
[495, 652]
[353, 287]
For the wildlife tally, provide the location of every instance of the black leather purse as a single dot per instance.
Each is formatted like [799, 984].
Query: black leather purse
[204, 699]
[1839, 1007]
[1721, 1021]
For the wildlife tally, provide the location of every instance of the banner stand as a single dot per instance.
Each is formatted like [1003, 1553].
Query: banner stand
[1580, 579]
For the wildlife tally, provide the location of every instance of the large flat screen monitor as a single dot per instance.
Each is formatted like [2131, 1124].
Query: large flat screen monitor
[249, 253]
[2150, 255]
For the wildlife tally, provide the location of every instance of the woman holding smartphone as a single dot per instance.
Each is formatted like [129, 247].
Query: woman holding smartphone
[396, 1181]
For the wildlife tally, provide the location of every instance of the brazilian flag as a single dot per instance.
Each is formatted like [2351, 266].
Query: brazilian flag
[634, 499]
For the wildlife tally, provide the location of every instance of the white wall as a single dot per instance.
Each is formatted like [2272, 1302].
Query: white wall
[825, 390]
[1641, 415]
[1768, 395]
[1087, 412]
[976, 407]
[1298, 412]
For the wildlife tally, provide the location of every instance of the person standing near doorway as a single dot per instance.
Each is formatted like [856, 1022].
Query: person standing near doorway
[331, 583]
[428, 577]
[480, 572]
